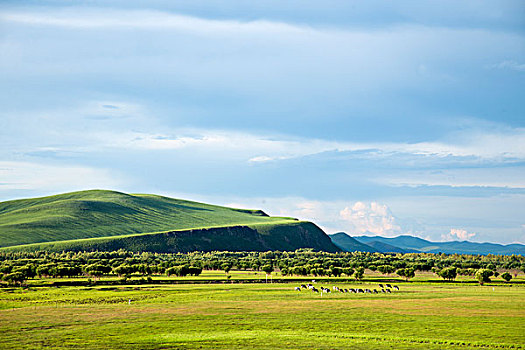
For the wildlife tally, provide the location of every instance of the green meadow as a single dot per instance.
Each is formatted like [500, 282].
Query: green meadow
[226, 315]
[101, 213]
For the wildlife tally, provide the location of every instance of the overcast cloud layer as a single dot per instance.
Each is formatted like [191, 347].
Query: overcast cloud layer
[365, 117]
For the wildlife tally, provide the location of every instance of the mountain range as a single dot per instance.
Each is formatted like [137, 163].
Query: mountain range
[411, 244]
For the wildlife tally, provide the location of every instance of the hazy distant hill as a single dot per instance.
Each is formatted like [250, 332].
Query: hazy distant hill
[388, 248]
[99, 219]
[410, 243]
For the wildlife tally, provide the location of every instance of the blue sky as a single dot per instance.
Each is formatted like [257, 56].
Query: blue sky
[374, 116]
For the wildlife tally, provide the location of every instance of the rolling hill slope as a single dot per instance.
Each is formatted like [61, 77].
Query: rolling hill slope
[99, 219]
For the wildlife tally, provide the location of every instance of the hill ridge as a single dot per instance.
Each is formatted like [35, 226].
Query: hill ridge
[105, 213]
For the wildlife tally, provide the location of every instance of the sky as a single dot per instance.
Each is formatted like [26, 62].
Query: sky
[368, 117]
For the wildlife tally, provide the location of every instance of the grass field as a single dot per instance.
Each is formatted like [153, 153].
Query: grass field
[421, 315]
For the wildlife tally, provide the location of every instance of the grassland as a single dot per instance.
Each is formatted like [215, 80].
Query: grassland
[421, 315]
[109, 220]
[99, 213]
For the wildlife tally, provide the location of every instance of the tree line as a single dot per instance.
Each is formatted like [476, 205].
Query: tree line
[16, 267]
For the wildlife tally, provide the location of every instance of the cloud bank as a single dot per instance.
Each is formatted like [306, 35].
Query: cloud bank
[457, 234]
[369, 218]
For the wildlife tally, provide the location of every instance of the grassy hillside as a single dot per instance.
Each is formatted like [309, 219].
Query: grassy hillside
[105, 220]
[283, 236]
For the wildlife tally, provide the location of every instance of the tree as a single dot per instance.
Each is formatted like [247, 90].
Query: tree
[226, 267]
[268, 269]
[174, 270]
[123, 270]
[15, 277]
[483, 275]
[348, 271]
[359, 273]
[448, 273]
[336, 271]
[46, 270]
[407, 273]
[28, 270]
[181, 271]
[385, 269]
[506, 276]
[194, 270]
[97, 270]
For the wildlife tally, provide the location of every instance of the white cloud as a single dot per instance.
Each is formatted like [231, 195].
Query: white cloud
[370, 217]
[492, 145]
[263, 159]
[457, 234]
[113, 126]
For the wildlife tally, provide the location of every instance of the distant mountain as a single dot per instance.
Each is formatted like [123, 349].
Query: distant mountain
[388, 248]
[349, 244]
[109, 220]
[416, 244]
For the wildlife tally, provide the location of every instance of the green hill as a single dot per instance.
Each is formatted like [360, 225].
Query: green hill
[103, 220]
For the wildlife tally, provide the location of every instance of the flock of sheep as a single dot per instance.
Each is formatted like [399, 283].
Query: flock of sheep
[384, 289]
